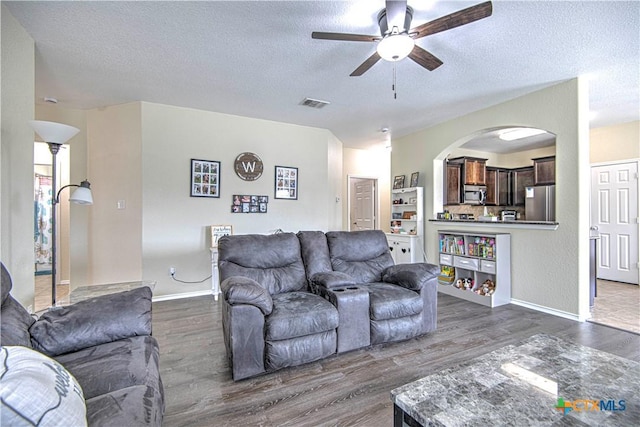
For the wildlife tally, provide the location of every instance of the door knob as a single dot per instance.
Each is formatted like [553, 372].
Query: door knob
[594, 228]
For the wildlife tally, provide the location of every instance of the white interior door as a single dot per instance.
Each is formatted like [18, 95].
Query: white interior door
[614, 215]
[363, 204]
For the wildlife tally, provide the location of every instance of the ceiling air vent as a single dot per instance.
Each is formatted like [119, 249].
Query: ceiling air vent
[314, 103]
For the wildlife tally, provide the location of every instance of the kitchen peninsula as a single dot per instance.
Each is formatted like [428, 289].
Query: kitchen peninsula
[541, 225]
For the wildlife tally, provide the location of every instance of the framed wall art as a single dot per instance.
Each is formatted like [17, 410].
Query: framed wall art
[217, 231]
[247, 203]
[286, 183]
[414, 179]
[398, 182]
[205, 178]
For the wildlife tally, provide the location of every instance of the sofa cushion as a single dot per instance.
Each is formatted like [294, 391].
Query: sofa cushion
[363, 255]
[297, 314]
[120, 364]
[315, 252]
[92, 322]
[272, 260]
[36, 390]
[296, 351]
[132, 406]
[14, 327]
[387, 301]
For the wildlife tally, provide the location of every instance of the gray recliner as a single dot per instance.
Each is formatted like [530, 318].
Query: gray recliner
[270, 320]
[292, 299]
[402, 298]
[105, 343]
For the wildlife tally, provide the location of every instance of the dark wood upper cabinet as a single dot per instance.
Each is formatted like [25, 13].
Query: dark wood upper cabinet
[498, 191]
[520, 179]
[544, 169]
[452, 184]
[473, 170]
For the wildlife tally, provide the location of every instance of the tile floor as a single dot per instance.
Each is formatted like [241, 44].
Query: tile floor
[617, 305]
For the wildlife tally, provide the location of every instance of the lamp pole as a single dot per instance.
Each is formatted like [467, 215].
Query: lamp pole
[54, 134]
[54, 148]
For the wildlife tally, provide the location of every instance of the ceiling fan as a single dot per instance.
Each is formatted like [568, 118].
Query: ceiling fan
[397, 41]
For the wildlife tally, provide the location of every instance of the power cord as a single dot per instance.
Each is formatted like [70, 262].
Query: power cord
[173, 277]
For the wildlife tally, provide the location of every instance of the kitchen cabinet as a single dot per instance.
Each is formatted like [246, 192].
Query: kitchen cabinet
[475, 259]
[407, 225]
[498, 186]
[405, 248]
[452, 184]
[544, 170]
[520, 179]
[473, 170]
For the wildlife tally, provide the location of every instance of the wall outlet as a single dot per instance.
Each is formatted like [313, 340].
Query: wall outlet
[172, 271]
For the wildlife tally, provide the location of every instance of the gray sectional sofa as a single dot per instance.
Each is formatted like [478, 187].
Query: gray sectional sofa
[290, 299]
[104, 343]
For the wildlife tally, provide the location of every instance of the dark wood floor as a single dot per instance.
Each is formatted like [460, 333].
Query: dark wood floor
[350, 389]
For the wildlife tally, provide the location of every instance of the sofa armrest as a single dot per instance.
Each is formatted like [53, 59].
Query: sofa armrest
[242, 290]
[411, 276]
[332, 279]
[96, 321]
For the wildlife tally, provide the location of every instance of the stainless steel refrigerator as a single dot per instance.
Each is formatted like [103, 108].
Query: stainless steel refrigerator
[540, 203]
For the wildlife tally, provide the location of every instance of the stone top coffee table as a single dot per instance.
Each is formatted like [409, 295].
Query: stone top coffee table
[541, 381]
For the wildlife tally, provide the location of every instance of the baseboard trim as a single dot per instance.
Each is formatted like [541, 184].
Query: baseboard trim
[182, 295]
[548, 310]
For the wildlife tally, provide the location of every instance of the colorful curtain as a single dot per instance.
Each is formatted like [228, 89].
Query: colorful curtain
[42, 224]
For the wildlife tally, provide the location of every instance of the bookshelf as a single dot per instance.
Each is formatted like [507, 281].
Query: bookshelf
[468, 261]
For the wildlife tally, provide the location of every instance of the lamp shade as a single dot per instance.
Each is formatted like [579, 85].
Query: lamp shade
[395, 47]
[82, 194]
[56, 133]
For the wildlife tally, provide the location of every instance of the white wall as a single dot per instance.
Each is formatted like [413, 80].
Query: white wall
[141, 153]
[513, 160]
[115, 167]
[613, 143]
[549, 268]
[369, 164]
[16, 156]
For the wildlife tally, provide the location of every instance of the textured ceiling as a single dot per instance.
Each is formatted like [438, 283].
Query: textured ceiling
[258, 59]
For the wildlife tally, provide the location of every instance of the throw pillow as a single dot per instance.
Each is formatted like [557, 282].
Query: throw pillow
[37, 390]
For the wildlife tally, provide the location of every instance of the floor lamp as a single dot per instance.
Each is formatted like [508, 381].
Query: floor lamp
[55, 135]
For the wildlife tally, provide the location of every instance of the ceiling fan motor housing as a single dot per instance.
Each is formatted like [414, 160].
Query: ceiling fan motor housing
[384, 28]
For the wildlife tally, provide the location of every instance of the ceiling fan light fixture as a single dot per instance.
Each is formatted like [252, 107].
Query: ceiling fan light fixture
[395, 47]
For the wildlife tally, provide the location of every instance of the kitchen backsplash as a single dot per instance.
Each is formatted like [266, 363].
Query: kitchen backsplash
[478, 211]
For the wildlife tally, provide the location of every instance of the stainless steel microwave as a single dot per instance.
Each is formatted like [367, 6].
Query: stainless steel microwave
[474, 194]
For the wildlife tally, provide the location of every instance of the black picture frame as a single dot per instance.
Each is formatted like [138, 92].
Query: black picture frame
[286, 183]
[249, 203]
[205, 178]
[414, 179]
[398, 182]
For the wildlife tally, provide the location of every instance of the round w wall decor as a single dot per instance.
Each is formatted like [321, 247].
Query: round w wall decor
[248, 166]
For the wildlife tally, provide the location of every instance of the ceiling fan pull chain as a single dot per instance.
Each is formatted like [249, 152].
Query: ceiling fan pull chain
[394, 85]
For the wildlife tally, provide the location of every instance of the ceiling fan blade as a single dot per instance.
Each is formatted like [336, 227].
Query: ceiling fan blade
[370, 62]
[424, 58]
[453, 20]
[396, 12]
[344, 37]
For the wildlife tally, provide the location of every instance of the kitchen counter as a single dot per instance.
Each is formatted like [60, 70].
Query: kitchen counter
[538, 225]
